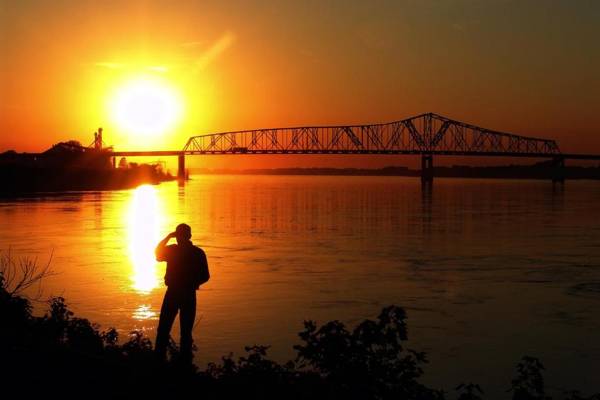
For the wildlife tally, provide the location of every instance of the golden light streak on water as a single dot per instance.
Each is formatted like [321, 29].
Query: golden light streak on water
[144, 311]
[143, 233]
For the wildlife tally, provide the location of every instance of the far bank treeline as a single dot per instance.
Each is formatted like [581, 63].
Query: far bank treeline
[541, 170]
[71, 166]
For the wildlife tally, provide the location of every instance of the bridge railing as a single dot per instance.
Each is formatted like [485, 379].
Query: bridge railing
[426, 133]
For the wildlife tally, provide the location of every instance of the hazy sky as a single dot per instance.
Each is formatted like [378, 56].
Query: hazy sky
[529, 67]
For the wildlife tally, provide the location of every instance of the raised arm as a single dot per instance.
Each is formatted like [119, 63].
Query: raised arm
[160, 250]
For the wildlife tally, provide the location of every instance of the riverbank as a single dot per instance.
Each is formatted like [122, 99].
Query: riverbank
[64, 356]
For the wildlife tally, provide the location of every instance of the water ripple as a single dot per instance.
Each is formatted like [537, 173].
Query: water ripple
[585, 289]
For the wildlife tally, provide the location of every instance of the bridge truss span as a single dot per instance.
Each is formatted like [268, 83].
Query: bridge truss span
[424, 134]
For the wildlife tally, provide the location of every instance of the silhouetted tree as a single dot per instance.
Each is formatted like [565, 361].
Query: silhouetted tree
[17, 275]
[369, 362]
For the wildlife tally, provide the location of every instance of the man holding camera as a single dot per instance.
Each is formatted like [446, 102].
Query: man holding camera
[187, 269]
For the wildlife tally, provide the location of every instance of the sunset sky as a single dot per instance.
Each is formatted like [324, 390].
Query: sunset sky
[528, 67]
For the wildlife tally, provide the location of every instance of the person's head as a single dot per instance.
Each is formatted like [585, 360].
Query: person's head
[183, 233]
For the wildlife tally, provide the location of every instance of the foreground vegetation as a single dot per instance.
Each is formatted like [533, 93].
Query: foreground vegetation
[61, 355]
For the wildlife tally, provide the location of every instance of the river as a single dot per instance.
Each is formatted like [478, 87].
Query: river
[488, 270]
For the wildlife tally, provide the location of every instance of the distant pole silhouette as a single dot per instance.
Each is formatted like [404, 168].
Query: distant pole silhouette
[181, 167]
[558, 170]
[98, 139]
[427, 168]
[187, 269]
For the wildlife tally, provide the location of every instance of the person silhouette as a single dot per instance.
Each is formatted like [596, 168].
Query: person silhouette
[187, 269]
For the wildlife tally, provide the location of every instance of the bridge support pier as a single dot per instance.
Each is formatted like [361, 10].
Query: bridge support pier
[426, 168]
[558, 170]
[181, 167]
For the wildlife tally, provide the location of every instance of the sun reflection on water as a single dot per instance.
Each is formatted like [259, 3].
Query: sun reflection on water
[144, 311]
[143, 228]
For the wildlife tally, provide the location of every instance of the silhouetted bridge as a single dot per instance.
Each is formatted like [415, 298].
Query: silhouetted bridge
[427, 135]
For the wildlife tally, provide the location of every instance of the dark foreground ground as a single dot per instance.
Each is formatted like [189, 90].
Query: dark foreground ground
[60, 355]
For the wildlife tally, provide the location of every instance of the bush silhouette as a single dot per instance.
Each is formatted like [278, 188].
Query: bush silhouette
[369, 362]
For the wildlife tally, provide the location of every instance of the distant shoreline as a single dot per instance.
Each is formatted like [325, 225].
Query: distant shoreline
[536, 171]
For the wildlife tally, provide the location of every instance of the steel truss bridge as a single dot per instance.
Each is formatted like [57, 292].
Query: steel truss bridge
[427, 135]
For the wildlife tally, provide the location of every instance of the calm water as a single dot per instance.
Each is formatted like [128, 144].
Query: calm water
[488, 270]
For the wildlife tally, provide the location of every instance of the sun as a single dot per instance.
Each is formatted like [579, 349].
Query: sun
[146, 107]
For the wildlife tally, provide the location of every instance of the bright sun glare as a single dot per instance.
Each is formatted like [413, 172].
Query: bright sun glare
[146, 106]
[144, 221]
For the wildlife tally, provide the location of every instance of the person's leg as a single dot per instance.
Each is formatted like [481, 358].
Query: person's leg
[168, 312]
[187, 316]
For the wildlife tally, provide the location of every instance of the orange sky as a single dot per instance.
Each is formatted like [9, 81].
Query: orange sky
[527, 67]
